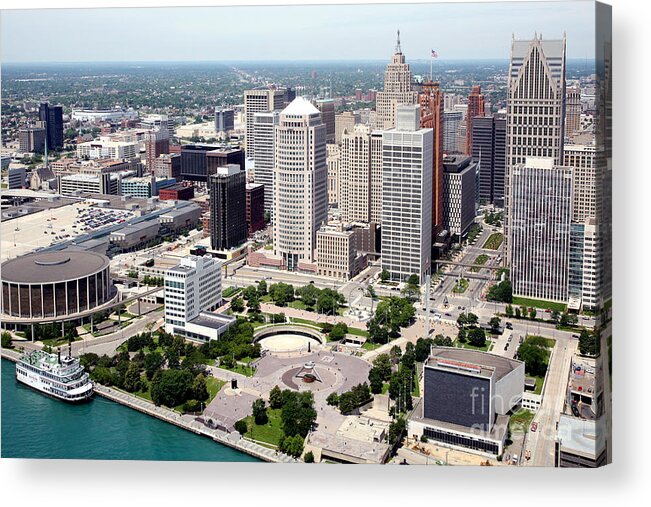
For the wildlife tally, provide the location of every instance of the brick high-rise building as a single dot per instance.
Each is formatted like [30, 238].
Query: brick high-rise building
[573, 111]
[327, 108]
[157, 142]
[431, 117]
[475, 108]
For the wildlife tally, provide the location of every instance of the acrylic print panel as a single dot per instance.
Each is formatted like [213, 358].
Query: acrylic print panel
[317, 234]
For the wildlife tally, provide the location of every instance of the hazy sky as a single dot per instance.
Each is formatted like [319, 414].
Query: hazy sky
[327, 32]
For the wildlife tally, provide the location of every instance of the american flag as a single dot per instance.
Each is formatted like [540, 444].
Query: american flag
[434, 54]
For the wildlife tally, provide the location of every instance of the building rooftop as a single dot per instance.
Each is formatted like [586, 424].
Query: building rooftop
[49, 267]
[213, 320]
[582, 437]
[482, 363]
[300, 106]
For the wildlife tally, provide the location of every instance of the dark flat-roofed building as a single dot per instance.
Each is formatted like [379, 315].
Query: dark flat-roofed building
[254, 207]
[227, 207]
[176, 192]
[489, 151]
[53, 118]
[459, 194]
[467, 396]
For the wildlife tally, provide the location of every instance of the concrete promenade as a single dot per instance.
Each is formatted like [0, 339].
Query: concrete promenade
[189, 423]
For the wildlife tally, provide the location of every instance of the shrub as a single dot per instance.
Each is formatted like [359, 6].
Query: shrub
[241, 427]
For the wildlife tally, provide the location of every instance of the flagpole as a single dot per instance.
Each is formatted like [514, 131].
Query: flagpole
[431, 62]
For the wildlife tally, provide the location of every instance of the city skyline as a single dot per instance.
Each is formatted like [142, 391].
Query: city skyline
[217, 34]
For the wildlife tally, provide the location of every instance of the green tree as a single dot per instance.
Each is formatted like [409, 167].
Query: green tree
[517, 313]
[339, 331]
[249, 292]
[241, 427]
[509, 311]
[556, 316]
[281, 293]
[385, 275]
[329, 301]
[534, 357]
[347, 402]
[375, 380]
[495, 324]
[333, 399]
[532, 313]
[462, 336]
[588, 343]
[199, 388]
[298, 414]
[6, 340]
[237, 305]
[309, 457]
[472, 319]
[262, 288]
[370, 292]
[153, 362]
[477, 337]
[308, 294]
[422, 349]
[292, 445]
[275, 397]
[396, 430]
[171, 387]
[377, 333]
[132, 378]
[383, 364]
[259, 411]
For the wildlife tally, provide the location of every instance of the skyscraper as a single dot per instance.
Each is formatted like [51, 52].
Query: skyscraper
[261, 100]
[300, 183]
[53, 118]
[345, 121]
[327, 109]
[475, 108]
[227, 207]
[431, 116]
[224, 119]
[541, 213]
[535, 110]
[451, 123]
[489, 151]
[333, 159]
[573, 112]
[263, 149]
[355, 175]
[407, 196]
[397, 89]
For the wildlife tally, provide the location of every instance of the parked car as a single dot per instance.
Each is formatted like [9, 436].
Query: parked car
[534, 426]
[509, 325]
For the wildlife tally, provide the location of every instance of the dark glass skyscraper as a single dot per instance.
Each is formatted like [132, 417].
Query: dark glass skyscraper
[489, 150]
[227, 207]
[53, 118]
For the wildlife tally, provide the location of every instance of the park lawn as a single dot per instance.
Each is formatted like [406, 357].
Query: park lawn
[461, 287]
[474, 231]
[538, 303]
[550, 343]
[416, 391]
[494, 241]
[473, 347]
[481, 259]
[358, 332]
[539, 384]
[297, 320]
[214, 386]
[298, 304]
[127, 315]
[231, 291]
[521, 420]
[271, 432]
[239, 368]
[370, 346]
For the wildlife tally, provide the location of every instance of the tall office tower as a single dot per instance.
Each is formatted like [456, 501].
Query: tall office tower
[193, 286]
[376, 176]
[407, 196]
[541, 213]
[431, 117]
[300, 183]
[489, 151]
[198, 161]
[333, 158]
[573, 111]
[157, 142]
[260, 100]
[535, 115]
[227, 207]
[32, 138]
[355, 175]
[451, 124]
[224, 119]
[397, 90]
[327, 109]
[53, 118]
[586, 161]
[263, 132]
[345, 121]
[475, 108]
[459, 194]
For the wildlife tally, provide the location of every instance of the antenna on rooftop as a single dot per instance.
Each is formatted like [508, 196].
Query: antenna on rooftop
[398, 49]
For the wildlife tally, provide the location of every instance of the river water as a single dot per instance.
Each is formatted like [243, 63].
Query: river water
[36, 426]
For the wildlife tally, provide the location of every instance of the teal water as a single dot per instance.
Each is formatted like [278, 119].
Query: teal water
[36, 426]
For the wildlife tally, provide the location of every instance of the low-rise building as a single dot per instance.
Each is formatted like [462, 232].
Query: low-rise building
[181, 217]
[176, 192]
[467, 396]
[581, 443]
[337, 250]
[134, 236]
[142, 187]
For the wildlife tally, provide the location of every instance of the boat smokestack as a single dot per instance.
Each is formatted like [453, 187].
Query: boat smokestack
[70, 349]
[59, 355]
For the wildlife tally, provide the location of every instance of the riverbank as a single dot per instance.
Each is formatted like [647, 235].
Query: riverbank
[188, 423]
